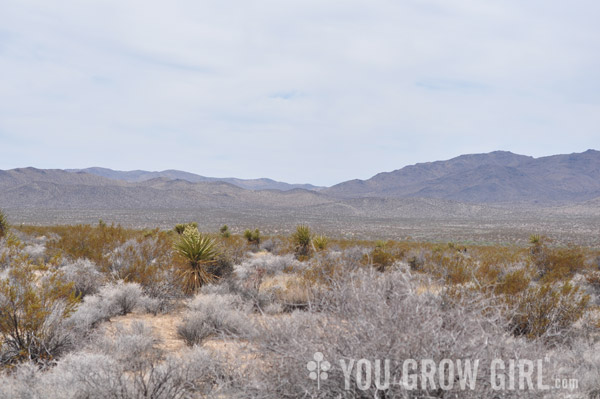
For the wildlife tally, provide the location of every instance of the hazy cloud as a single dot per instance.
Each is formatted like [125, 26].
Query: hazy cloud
[301, 91]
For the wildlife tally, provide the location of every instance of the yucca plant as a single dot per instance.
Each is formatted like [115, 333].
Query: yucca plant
[200, 252]
[3, 224]
[180, 227]
[320, 242]
[253, 237]
[224, 230]
[302, 240]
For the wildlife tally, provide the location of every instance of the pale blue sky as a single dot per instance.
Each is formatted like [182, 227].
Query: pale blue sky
[299, 90]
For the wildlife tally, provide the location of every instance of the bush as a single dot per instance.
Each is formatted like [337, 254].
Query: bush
[380, 316]
[33, 310]
[548, 312]
[94, 375]
[132, 347]
[209, 315]
[3, 224]
[85, 277]
[556, 264]
[88, 315]
[121, 298]
[90, 242]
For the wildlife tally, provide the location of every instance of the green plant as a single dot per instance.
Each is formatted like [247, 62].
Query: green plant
[224, 230]
[320, 242]
[302, 240]
[199, 253]
[554, 264]
[180, 227]
[548, 311]
[32, 314]
[91, 242]
[3, 224]
[253, 237]
[380, 244]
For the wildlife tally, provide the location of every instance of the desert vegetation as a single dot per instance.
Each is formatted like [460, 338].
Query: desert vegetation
[97, 311]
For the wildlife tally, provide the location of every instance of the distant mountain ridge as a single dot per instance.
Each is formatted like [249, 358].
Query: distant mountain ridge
[142, 175]
[37, 190]
[496, 177]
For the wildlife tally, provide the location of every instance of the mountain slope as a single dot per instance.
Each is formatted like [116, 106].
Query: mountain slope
[37, 190]
[142, 175]
[496, 177]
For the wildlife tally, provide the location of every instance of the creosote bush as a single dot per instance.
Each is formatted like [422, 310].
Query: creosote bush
[548, 311]
[33, 308]
[90, 242]
[3, 224]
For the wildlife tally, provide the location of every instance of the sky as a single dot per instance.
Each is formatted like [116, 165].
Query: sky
[302, 91]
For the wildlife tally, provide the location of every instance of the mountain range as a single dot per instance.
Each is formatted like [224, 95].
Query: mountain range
[496, 177]
[143, 175]
[468, 184]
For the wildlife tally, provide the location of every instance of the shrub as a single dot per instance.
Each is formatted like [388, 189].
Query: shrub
[111, 300]
[33, 310]
[92, 375]
[85, 277]
[214, 315]
[556, 264]
[380, 259]
[90, 242]
[3, 224]
[268, 263]
[374, 316]
[142, 260]
[199, 252]
[548, 311]
[513, 283]
[121, 298]
[93, 310]
[132, 347]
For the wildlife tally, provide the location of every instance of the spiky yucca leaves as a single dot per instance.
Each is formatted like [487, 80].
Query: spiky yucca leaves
[253, 237]
[302, 240]
[200, 252]
[180, 227]
[320, 242]
[224, 230]
[3, 224]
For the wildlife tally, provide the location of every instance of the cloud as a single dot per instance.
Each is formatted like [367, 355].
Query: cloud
[302, 91]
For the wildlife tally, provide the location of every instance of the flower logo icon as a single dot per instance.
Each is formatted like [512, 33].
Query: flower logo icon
[318, 368]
